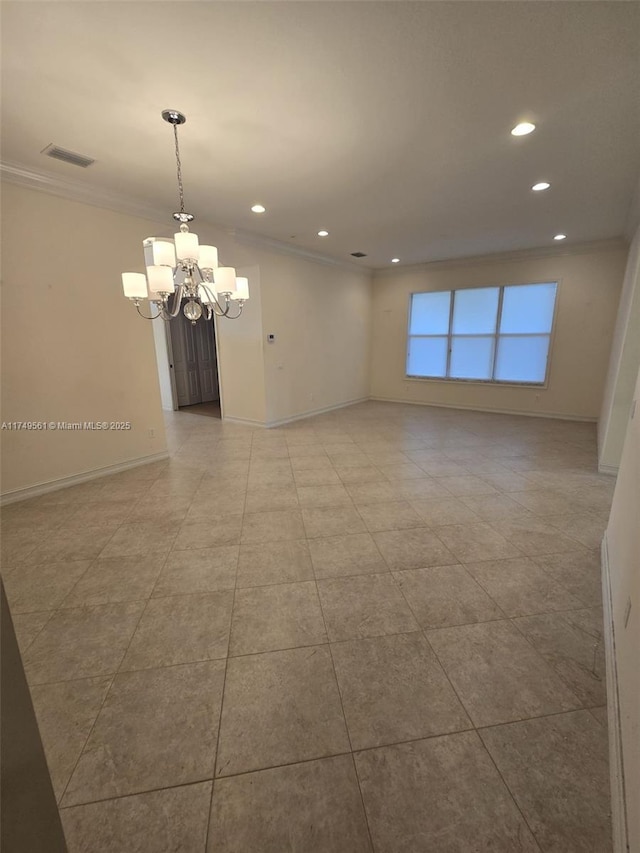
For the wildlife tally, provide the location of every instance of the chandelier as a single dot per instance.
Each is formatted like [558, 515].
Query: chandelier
[184, 268]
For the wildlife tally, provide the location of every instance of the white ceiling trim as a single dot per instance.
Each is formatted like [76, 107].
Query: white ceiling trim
[507, 257]
[251, 239]
[14, 173]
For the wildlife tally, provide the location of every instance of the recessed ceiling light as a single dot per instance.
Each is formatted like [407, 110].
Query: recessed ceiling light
[560, 237]
[541, 185]
[523, 128]
[258, 208]
[395, 260]
[323, 233]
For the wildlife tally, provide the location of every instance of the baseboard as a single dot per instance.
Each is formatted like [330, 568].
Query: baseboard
[76, 479]
[309, 414]
[616, 764]
[608, 469]
[243, 421]
[554, 415]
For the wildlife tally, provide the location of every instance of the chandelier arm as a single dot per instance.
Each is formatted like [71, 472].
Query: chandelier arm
[172, 313]
[144, 316]
[240, 307]
[212, 299]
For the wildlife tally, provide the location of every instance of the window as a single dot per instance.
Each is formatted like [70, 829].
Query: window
[490, 334]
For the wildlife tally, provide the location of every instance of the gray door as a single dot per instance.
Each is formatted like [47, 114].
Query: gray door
[195, 367]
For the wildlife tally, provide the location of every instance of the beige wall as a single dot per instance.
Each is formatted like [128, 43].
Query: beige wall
[589, 288]
[241, 356]
[623, 365]
[73, 349]
[320, 315]
[623, 549]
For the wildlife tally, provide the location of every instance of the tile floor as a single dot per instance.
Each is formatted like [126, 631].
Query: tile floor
[376, 629]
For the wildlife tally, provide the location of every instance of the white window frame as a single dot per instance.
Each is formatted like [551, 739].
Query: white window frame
[496, 336]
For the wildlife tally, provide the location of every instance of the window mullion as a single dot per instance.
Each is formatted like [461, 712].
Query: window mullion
[449, 336]
[497, 339]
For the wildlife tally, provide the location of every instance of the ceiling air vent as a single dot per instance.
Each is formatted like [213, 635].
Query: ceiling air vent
[358, 255]
[67, 156]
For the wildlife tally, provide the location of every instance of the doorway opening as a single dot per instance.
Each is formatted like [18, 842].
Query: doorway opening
[193, 365]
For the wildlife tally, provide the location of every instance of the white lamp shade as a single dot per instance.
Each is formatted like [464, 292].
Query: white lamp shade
[242, 288]
[208, 258]
[160, 279]
[187, 248]
[134, 285]
[164, 253]
[225, 279]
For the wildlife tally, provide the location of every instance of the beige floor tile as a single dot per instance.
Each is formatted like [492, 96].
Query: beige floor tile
[181, 629]
[167, 821]
[393, 689]
[98, 513]
[223, 530]
[316, 477]
[274, 562]
[43, 586]
[81, 643]
[533, 537]
[489, 507]
[557, 770]
[331, 521]
[283, 477]
[66, 544]
[473, 542]
[114, 579]
[160, 509]
[601, 715]
[365, 474]
[413, 549]
[397, 515]
[283, 616]
[400, 471]
[467, 485]
[578, 572]
[280, 707]
[520, 587]
[438, 511]
[422, 489]
[498, 675]
[586, 528]
[277, 526]
[443, 794]
[373, 492]
[27, 626]
[66, 713]
[268, 498]
[337, 556]
[446, 596]
[318, 496]
[313, 807]
[140, 540]
[209, 507]
[573, 644]
[544, 502]
[440, 467]
[157, 729]
[364, 606]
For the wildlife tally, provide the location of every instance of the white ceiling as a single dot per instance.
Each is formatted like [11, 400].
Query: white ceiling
[387, 123]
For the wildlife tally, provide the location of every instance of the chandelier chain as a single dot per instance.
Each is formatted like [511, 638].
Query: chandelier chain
[179, 168]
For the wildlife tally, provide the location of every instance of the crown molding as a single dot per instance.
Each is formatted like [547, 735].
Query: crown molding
[46, 182]
[250, 238]
[33, 179]
[508, 257]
